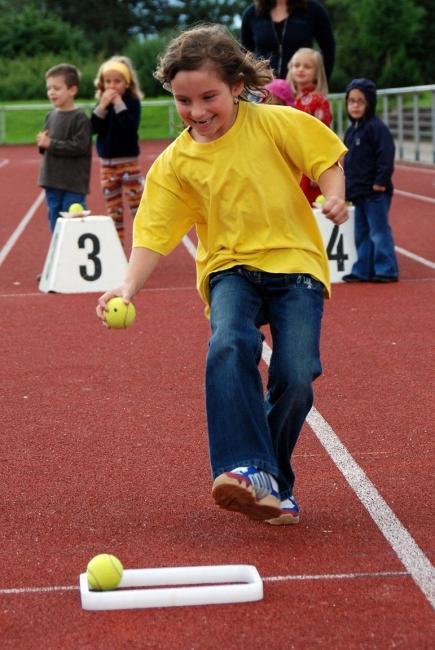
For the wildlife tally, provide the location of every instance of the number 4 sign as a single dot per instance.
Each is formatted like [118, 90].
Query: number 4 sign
[339, 243]
[85, 256]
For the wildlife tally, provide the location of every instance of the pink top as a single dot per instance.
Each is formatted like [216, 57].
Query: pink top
[281, 89]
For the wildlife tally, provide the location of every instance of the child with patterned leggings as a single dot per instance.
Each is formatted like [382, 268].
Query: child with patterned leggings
[116, 120]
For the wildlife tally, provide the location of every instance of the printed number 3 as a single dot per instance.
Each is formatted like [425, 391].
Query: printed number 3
[92, 256]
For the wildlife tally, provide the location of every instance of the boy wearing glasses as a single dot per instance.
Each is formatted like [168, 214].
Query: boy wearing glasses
[368, 167]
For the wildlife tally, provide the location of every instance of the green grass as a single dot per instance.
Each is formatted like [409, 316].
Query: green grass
[21, 126]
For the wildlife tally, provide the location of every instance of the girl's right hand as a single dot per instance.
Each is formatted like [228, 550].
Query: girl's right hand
[141, 264]
[104, 299]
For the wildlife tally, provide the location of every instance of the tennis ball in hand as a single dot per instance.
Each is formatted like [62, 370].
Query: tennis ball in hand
[118, 315]
[104, 572]
[75, 207]
[320, 200]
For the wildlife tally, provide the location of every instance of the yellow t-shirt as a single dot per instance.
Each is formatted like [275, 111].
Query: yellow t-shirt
[242, 194]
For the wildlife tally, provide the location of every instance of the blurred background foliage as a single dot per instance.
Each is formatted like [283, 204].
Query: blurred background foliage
[390, 41]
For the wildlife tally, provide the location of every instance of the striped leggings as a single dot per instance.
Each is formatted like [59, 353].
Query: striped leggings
[115, 179]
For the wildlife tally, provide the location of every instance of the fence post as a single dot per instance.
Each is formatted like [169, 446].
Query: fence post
[433, 126]
[400, 124]
[2, 125]
[416, 119]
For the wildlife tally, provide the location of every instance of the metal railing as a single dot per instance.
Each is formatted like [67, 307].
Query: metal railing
[170, 128]
[410, 119]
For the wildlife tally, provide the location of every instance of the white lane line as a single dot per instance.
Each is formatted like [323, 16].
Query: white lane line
[415, 168]
[4, 162]
[22, 295]
[190, 246]
[320, 576]
[416, 258]
[337, 576]
[411, 195]
[44, 295]
[409, 553]
[4, 252]
[38, 590]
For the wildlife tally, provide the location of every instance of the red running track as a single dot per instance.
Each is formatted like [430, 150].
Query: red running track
[104, 450]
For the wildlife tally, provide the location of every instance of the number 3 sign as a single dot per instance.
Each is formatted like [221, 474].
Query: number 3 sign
[339, 243]
[85, 255]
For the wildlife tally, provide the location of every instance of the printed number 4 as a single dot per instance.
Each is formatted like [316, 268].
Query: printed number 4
[335, 248]
[92, 256]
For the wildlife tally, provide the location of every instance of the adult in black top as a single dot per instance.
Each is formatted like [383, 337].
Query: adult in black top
[275, 29]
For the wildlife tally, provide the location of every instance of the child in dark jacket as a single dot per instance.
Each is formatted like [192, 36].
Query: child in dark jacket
[368, 168]
[116, 120]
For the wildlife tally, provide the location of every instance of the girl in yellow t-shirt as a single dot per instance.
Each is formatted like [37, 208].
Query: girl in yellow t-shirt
[234, 174]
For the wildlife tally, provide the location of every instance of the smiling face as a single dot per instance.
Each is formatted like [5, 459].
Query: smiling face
[303, 70]
[60, 95]
[205, 103]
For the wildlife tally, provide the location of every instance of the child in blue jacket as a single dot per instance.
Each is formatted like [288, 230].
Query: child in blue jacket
[368, 168]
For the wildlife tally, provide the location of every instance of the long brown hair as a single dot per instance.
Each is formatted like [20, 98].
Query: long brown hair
[264, 7]
[213, 45]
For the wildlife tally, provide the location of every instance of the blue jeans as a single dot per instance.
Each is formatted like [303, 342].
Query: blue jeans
[59, 201]
[245, 426]
[373, 239]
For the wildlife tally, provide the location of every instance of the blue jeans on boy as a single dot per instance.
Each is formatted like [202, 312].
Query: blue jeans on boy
[245, 426]
[59, 201]
[373, 239]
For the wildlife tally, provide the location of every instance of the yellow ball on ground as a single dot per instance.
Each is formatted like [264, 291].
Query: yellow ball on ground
[75, 207]
[104, 572]
[119, 315]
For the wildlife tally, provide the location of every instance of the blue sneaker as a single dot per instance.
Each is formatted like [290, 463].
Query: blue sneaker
[290, 513]
[248, 490]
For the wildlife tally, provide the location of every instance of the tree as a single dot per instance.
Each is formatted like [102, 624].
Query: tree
[348, 53]
[222, 11]
[30, 31]
[110, 24]
[422, 49]
[377, 40]
[107, 25]
[387, 33]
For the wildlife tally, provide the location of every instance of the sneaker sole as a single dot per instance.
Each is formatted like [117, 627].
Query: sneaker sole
[283, 520]
[238, 495]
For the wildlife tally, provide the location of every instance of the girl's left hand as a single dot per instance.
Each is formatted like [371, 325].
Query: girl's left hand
[335, 209]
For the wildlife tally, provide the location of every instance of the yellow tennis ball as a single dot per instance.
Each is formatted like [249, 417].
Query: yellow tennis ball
[320, 199]
[104, 572]
[119, 315]
[75, 207]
